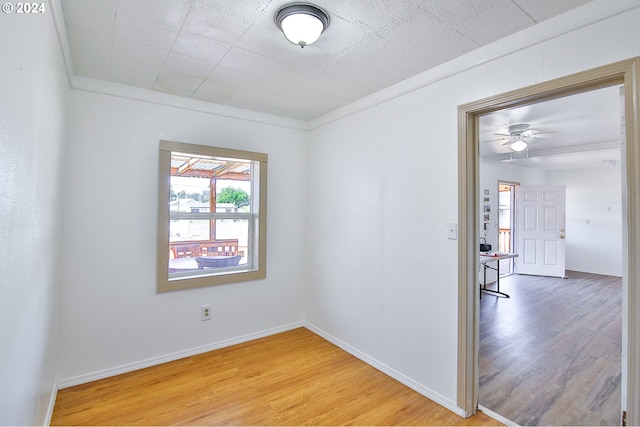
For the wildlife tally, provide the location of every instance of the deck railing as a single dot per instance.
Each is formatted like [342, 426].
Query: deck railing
[504, 245]
[504, 239]
[221, 247]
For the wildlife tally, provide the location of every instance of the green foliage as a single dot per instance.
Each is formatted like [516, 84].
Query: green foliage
[237, 196]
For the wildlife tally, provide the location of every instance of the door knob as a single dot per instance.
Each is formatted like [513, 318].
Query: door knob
[562, 236]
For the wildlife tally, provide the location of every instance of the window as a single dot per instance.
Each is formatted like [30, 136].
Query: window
[212, 216]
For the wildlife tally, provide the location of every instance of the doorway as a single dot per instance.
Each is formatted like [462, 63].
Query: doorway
[506, 223]
[626, 73]
[541, 358]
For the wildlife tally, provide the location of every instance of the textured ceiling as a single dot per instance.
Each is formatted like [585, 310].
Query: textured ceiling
[229, 52]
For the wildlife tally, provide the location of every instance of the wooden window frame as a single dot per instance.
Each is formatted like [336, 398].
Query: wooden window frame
[258, 242]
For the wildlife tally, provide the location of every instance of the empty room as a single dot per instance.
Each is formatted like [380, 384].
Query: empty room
[185, 179]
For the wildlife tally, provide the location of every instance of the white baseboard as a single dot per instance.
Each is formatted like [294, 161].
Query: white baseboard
[93, 376]
[603, 273]
[98, 375]
[425, 391]
[52, 404]
[496, 416]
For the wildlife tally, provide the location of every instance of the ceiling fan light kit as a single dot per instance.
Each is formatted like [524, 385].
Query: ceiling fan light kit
[302, 23]
[519, 145]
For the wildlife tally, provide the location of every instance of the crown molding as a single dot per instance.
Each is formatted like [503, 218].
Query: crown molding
[87, 84]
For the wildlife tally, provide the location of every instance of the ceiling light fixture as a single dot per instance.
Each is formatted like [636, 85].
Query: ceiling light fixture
[302, 23]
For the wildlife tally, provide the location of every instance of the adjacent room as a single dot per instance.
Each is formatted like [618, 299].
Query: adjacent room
[554, 342]
[181, 177]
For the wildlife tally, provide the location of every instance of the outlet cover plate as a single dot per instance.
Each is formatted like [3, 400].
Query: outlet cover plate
[205, 312]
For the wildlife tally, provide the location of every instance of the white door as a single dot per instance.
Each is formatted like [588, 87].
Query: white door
[540, 230]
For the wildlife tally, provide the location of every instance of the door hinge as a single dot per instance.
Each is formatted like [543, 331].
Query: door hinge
[624, 418]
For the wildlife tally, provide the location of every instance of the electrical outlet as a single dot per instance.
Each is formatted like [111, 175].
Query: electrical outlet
[206, 312]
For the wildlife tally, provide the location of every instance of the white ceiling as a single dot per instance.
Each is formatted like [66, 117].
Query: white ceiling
[585, 131]
[229, 52]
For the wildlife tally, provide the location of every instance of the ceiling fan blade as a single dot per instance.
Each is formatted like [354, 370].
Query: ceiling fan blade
[532, 133]
[541, 133]
[503, 136]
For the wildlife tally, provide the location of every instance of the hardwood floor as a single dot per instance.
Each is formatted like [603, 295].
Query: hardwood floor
[292, 378]
[551, 354]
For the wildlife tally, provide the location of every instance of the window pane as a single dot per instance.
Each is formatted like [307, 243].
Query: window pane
[504, 208]
[189, 194]
[233, 196]
[188, 229]
[229, 249]
[236, 230]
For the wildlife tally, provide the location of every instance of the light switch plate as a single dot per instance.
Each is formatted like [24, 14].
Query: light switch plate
[452, 231]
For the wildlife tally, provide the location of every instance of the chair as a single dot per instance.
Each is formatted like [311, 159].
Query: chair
[187, 250]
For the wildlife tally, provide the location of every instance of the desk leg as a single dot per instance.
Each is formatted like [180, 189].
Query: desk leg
[484, 284]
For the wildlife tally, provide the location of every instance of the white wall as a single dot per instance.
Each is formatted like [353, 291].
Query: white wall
[113, 318]
[32, 105]
[591, 248]
[382, 273]
[594, 196]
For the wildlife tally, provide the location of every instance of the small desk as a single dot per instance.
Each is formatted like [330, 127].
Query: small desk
[484, 260]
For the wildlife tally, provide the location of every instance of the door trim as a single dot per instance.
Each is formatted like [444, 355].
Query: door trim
[623, 72]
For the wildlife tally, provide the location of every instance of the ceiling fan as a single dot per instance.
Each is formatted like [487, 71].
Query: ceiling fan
[518, 136]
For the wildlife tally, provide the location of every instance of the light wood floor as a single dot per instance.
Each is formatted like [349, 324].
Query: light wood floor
[293, 378]
[551, 354]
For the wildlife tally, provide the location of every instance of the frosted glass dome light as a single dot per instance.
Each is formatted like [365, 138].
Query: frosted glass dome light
[519, 145]
[302, 24]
